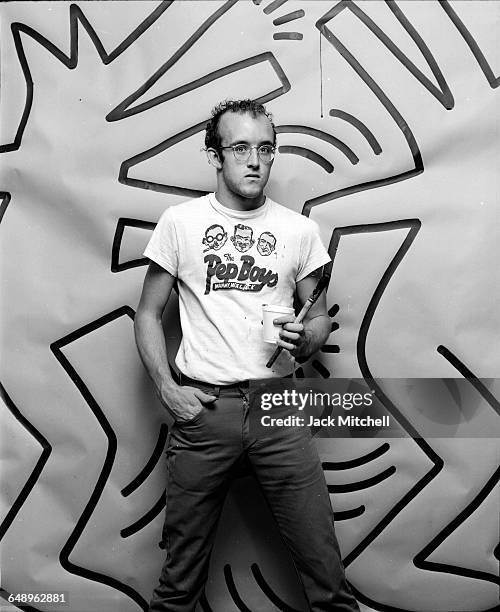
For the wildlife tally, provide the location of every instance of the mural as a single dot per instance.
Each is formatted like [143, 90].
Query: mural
[387, 121]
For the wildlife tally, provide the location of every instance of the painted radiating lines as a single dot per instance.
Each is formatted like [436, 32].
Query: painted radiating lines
[360, 126]
[283, 19]
[330, 466]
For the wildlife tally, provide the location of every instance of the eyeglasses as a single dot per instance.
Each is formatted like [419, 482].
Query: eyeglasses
[212, 238]
[241, 152]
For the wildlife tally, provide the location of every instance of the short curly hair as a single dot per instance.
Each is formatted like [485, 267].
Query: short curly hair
[212, 136]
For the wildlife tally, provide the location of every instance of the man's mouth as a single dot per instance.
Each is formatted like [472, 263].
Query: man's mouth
[252, 176]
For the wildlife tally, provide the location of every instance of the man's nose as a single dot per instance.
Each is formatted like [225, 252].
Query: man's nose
[253, 158]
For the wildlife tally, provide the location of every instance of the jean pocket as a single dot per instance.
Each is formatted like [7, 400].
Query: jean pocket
[193, 419]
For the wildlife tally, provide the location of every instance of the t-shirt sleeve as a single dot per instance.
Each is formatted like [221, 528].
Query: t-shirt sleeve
[312, 254]
[163, 246]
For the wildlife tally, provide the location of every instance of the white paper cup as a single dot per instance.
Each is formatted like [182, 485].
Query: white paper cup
[269, 313]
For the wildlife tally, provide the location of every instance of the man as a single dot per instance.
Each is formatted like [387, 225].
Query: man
[220, 301]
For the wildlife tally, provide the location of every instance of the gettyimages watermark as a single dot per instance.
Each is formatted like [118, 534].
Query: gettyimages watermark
[355, 408]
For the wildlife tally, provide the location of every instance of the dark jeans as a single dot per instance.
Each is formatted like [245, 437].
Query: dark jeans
[201, 456]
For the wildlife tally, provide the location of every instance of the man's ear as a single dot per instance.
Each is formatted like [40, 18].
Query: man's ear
[214, 158]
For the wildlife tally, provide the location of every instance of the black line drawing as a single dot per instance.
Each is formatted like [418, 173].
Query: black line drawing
[360, 126]
[472, 44]
[118, 112]
[268, 591]
[320, 368]
[273, 6]
[37, 470]
[169, 142]
[362, 484]
[308, 154]
[205, 606]
[418, 168]
[420, 560]
[124, 109]
[413, 225]
[474, 381]
[288, 36]
[347, 465]
[332, 140]
[233, 591]
[152, 462]
[150, 515]
[122, 224]
[4, 202]
[64, 557]
[75, 15]
[347, 515]
[289, 17]
[440, 92]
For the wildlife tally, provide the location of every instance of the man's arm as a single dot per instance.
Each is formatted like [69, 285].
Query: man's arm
[304, 339]
[183, 402]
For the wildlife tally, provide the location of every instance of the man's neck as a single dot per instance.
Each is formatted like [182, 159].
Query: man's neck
[236, 202]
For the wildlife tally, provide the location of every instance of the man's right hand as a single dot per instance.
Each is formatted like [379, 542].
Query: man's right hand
[184, 403]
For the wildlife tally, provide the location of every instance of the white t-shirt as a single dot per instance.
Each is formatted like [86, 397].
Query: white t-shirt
[230, 263]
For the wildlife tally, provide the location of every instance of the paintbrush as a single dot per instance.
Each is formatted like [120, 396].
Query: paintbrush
[322, 283]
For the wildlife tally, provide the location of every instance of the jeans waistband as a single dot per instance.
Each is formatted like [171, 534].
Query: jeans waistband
[216, 389]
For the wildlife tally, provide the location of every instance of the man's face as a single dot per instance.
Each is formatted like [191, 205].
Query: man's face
[215, 238]
[246, 179]
[266, 243]
[242, 239]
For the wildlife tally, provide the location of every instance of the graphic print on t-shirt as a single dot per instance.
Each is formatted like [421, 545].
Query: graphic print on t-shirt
[242, 238]
[215, 237]
[241, 274]
[266, 243]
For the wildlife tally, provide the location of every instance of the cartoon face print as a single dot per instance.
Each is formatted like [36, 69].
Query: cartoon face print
[215, 237]
[266, 243]
[242, 238]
